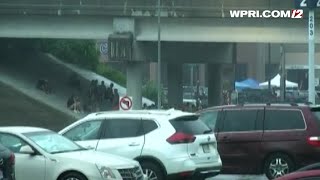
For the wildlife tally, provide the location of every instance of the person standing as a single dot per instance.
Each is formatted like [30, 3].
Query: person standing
[109, 93]
[102, 91]
[115, 102]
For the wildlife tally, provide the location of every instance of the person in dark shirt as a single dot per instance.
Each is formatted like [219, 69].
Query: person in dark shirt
[43, 85]
[73, 103]
[102, 91]
[110, 93]
[115, 102]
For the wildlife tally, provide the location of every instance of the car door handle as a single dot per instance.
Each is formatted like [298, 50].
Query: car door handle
[134, 144]
[225, 139]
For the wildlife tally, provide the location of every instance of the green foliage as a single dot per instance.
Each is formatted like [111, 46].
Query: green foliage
[84, 54]
[227, 85]
[150, 91]
[80, 52]
[111, 74]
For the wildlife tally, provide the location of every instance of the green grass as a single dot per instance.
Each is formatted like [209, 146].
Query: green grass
[17, 109]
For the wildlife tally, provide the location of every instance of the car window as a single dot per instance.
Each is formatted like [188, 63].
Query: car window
[210, 118]
[122, 128]
[86, 131]
[12, 142]
[190, 125]
[283, 120]
[240, 120]
[149, 125]
[316, 113]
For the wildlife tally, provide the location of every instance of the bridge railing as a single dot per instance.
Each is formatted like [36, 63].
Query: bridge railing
[175, 8]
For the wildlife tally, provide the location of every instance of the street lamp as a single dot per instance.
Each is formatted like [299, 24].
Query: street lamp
[159, 56]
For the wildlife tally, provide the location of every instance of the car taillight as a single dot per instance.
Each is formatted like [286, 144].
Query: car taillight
[12, 159]
[179, 138]
[314, 141]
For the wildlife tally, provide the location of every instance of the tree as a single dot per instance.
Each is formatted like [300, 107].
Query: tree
[150, 91]
[80, 52]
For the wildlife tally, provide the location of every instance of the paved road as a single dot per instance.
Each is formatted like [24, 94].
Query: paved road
[238, 177]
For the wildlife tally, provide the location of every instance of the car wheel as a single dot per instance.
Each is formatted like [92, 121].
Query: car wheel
[277, 165]
[152, 171]
[73, 176]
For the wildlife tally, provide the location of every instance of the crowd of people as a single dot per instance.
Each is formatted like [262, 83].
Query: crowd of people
[100, 97]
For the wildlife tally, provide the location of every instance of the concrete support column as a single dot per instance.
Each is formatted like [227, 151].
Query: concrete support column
[153, 72]
[202, 74]
[134, 83]
[175, 85]
[262, 58]
[214, 72]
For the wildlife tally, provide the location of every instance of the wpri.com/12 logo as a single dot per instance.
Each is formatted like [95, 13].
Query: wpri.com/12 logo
[296, 13]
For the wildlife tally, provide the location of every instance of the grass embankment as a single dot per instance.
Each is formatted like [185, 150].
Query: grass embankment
[17, 109]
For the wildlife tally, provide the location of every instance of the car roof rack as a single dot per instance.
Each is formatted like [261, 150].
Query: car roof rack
[276, 103]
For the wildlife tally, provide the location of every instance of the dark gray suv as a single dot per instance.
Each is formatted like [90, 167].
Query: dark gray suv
[7, 161]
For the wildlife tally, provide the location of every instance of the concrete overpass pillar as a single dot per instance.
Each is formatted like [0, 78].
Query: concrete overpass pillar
[175, 86]
[262, 55]
[214, 72]
[202, 72]
[134, 83]
[134, 68]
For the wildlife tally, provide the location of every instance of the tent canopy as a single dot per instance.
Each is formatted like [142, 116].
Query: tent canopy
[275, 82]
[247, 84]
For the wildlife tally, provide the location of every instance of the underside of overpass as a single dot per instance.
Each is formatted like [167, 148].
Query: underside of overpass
[191, 31]
[173, 29]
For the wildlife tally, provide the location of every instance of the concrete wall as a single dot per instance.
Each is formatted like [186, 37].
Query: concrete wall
[300, 59]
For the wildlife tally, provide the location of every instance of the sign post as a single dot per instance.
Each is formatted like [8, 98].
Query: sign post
[311, 49]
[311, 5]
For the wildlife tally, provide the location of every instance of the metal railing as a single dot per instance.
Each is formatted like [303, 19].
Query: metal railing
[174, 8]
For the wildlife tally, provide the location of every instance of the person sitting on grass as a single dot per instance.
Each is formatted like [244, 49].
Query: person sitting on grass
[74, 103]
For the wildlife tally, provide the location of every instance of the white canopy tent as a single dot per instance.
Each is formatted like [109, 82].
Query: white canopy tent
[275, 82]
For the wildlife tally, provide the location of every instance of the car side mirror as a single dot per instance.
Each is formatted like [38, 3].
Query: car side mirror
[27, 150]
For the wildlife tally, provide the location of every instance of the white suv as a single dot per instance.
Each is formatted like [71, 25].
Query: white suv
[168, 144]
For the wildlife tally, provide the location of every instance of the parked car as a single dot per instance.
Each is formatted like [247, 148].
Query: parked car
[7, 161]
[315, 166]
[45, 155]
[170, 143]
[274, 139]
[302, 175]
[310, 172]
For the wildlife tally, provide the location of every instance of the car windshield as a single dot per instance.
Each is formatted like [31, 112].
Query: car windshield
[52, 142]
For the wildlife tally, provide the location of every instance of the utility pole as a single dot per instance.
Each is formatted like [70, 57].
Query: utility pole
[283, 74]
[310, 5]
[159, 55]
[311, 49]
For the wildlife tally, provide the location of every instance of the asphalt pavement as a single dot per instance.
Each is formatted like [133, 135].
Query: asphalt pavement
[239, 177]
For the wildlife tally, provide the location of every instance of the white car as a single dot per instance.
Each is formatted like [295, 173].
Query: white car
[45, 155]
[166, 143]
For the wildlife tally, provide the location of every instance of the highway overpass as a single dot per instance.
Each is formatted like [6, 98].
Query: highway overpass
[191, 30]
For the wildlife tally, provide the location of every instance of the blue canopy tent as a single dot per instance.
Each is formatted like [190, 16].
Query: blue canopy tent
[247, 84]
